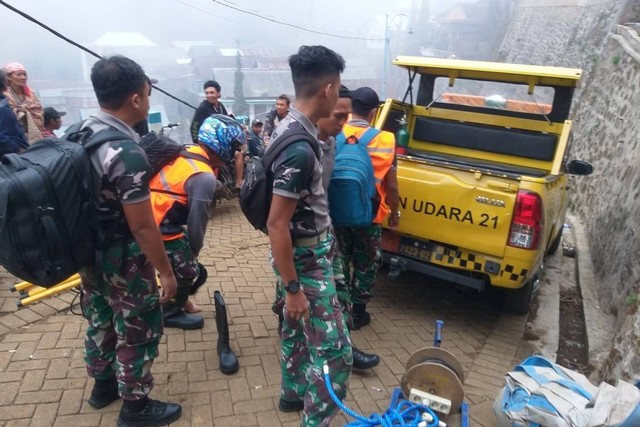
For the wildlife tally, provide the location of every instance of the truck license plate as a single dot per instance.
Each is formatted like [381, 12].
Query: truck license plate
[406, 246]
[415, 248]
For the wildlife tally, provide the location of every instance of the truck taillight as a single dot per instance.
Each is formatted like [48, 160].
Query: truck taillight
[526, 226]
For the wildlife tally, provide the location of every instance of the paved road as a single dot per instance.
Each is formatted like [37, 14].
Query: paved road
[43, 379]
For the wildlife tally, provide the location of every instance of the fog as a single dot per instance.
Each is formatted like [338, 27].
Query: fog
[179, 42]
[166, 21]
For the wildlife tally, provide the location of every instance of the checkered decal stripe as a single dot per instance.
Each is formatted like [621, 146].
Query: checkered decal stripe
[510, 270]
[456, 258]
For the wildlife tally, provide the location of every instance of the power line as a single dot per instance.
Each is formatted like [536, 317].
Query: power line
[79, 46]
[206, 12]
[266, 18]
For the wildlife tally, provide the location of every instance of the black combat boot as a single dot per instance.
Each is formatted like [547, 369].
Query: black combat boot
[228, 360]
[362, 360]
[148, 412]
[175, 317]
[104, 393]
[360, 316]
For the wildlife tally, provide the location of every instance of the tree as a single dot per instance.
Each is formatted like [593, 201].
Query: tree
[240, 106]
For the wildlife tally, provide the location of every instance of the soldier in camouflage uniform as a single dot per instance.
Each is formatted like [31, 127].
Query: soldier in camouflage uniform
[328, 128]
[314, 332]
[120, 298]
[361, 246]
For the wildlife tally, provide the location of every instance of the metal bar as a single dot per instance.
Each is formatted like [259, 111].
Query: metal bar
[464, 418]
[54, 290]
[23, 286]
[437, 338]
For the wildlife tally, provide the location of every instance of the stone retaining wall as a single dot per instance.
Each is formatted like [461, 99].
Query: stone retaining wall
[588, 35]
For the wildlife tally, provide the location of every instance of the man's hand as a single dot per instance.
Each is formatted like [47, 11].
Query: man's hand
[296, 305]
[394, 219]
[169, 287]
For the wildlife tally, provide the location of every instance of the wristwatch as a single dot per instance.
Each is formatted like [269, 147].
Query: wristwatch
[292, 287]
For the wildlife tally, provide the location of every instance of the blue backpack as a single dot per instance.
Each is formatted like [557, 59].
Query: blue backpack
[353, 198]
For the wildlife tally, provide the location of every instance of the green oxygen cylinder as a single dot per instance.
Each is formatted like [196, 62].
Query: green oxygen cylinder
[402, 136]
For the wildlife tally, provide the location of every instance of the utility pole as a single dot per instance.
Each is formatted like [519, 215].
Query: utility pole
[385, 59]
[387, 42]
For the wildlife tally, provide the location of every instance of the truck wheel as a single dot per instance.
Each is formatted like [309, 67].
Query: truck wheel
[556, 243]
[518, 301]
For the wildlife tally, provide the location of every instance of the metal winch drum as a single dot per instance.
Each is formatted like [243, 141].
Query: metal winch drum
[435, 371]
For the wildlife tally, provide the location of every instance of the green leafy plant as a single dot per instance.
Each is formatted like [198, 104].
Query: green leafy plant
[632, 302]
[615, 60]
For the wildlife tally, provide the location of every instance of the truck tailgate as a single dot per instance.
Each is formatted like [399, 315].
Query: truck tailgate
[450, 205]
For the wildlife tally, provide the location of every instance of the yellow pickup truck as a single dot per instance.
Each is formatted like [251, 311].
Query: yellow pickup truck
[483, 179]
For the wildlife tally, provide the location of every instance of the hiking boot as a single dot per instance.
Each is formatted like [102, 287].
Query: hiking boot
[148, 412]
[362, 360]
[104, 393]
[289, 406]
[360, 316]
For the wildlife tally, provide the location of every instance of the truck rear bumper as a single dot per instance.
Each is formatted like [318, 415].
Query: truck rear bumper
[398, 263]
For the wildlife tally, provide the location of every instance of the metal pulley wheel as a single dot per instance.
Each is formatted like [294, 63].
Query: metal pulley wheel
[435, 371]
[437, 354]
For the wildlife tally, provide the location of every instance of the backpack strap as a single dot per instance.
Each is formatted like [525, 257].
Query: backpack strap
[84, 135]
[365, 139]
[280, 144]
[368, 136]
[194, 156]
[105, 135]
[188, 155]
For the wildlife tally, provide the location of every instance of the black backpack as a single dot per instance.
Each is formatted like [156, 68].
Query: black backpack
[257, 188]
[47, 213]
[162, 150]
[48, 218]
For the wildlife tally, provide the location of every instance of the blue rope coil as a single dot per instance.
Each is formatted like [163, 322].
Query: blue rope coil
[405, 413]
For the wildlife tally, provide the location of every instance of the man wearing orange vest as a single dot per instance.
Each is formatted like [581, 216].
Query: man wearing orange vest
[361, 245]
[181, 194]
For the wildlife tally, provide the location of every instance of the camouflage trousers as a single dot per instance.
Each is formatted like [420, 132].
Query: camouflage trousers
[120, 301]
[344, 296]
[182, 259]
[361, 255]
[306, 345]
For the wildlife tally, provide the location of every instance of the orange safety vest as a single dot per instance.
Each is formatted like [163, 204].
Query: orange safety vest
[382, 152]
[172, 178]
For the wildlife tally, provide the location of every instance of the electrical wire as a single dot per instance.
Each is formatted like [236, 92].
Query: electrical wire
[79, 46]
[78, 296]
[207, 12]
[276, 21]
